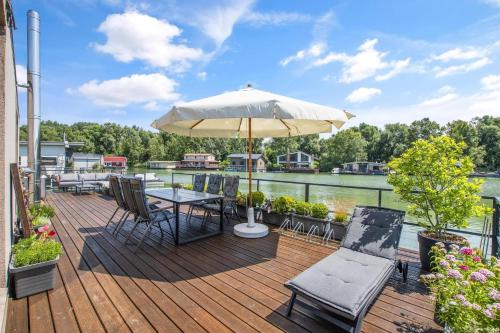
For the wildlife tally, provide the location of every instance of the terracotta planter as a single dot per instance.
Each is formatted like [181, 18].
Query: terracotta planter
[33, 279]
[425, 244]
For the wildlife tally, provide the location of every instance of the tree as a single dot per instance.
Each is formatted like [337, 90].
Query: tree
[346, 146]
[432, 176]
[394, 140]
[462, 131]
[372, 136]
[424, 129]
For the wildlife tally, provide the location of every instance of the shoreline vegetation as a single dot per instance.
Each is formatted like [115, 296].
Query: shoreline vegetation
[363, 142]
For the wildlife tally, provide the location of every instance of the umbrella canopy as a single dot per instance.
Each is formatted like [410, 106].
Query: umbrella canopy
[250, 113]
[227, 115]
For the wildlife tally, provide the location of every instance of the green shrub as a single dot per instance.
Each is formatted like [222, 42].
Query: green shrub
[44, 210]
[303, 208]
[29, 251]
[258, 198]
[187, 186]
[319, 210]
[40, 221]
[284, 204]
[341, 216]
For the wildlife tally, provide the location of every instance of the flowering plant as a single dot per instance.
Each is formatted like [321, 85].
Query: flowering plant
[466, 288]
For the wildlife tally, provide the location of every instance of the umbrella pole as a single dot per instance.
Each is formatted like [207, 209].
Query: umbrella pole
[250, 212]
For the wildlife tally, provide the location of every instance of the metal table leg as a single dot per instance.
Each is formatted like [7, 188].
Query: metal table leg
[176, 208]
[221, 212]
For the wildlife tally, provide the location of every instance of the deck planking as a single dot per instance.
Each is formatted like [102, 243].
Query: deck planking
[219, 284]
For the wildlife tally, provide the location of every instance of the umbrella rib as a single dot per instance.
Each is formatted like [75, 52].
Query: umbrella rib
[288, 127]
[197, 123]
[239, 126]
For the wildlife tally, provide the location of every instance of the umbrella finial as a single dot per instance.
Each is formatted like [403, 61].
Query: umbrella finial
[249, 85]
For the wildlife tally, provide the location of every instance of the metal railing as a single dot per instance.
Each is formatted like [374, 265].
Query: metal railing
[495, 204]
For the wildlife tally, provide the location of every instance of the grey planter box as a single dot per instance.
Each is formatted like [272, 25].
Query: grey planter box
[33, 279]
[273, 217]
[339, 230]
[309, 222]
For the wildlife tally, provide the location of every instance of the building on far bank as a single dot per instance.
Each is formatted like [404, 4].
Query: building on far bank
[54, 154]
[86, 161]
[199, 161]
[369, 168]
[115, 162]
[163, 164]
[298, 159]
[239, 162]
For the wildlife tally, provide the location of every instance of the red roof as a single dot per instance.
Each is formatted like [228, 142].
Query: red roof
[121, 159]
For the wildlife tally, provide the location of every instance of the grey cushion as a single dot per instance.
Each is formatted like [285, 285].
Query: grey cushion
[346, 280]
[102, 183]
[101, 176]
[68, 184]
[87, 177]
[374, 231]
[68, 177]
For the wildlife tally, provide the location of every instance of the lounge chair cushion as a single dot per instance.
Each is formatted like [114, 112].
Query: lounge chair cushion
[346, 280]
[87, 177]
[374, 231]
[68, 177]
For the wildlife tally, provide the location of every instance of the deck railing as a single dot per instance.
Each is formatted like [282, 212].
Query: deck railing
[495, 204]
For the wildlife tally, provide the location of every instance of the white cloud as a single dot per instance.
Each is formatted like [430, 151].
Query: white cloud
[217, 22]
[202, 76]
[397, 67]
[460, 54]
[445, 94]
[21, 76]
[315, 50]
[274, 18]
[363, 94]
[364, 64]
[494, 3]
[491, 82]
[134, 89]
[462, 68]
[323, 25]
[135, 36]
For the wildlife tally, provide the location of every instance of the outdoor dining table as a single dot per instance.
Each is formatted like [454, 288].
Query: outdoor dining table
[182, 197]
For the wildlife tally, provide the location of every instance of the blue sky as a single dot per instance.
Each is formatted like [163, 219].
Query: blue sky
[385, 61]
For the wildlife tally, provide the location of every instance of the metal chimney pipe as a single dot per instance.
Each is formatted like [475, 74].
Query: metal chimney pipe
[34, 101]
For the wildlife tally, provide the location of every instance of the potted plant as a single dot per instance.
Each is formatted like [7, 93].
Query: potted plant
[176, 187]
[466, 289]
[278, 209]
[310, 214]
[258, 199]
[432, 176]
[339, 223]
[33, 262]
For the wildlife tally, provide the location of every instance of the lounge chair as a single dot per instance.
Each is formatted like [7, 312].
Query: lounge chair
[114, 182]
[343, 285]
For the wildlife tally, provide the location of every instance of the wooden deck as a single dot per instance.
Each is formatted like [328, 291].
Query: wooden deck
[221, 284]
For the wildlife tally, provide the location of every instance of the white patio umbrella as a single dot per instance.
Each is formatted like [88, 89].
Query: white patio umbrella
[250, 113]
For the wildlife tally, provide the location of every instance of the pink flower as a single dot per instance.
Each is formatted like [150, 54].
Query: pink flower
[465, 283]
[496, 306]
[486, 272]
[439, 276]
[489, 314]
[463, 267]
[476, 307]
[453, 273]
[43, 228]
[478, 277]
[440, 245]
[460, 297]
[466, 251]
[494, 295]
[51, 233]
[476, 258]
[450, 257]
[444, 263]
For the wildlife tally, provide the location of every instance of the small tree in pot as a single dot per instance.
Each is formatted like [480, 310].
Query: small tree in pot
[432, 176]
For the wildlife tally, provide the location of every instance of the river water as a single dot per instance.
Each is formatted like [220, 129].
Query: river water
[335, 197]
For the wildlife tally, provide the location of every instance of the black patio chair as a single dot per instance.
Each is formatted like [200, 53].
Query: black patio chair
[147, 215]
[343, 285]
[231, 185]
[116, 187]
[213, 187]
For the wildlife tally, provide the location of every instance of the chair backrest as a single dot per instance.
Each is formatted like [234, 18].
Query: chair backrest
[127, 195]
[214, 184]
[117, 191]
[231, 185]
[199, 182]
[375, 231]
[139, 198]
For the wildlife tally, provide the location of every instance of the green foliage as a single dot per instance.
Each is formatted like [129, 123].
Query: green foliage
[29, 251]
[466, 288]
[40, 221]
[186, 186]
[258, 198]
[284, 204]
[345, 146]
[432, 177]
[177, 185]
[41, 210]
[319, 210]
[224, 164]
[303, 208]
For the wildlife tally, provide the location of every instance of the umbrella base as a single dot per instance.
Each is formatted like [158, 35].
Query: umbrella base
[257, 231]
